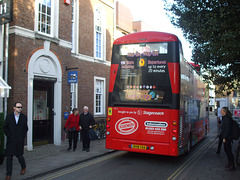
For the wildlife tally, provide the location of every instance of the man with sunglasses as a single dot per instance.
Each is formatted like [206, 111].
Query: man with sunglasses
[15, 127]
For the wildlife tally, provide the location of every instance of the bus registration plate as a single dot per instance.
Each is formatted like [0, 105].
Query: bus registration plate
[135, 146]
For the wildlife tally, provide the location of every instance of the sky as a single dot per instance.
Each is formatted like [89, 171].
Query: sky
[153, 14]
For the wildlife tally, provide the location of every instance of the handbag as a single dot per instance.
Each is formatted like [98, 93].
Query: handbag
[72, 129]
[63, 136]
[92, 134]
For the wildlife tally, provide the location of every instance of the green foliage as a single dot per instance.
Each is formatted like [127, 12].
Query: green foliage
[213, 27]
[1, 133]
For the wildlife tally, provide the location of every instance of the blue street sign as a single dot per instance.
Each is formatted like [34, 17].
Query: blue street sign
[66, 114]
[72, 77]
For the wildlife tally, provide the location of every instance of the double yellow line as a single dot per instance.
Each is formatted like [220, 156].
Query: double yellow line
[188, 162]
[64, 172]
[172, 177]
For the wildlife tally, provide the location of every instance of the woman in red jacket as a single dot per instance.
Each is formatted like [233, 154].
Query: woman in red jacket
[73, 128]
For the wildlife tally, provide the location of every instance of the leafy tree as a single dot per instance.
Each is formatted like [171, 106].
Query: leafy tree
[213, 28]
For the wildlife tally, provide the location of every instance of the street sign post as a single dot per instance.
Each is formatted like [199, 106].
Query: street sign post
[6, 11]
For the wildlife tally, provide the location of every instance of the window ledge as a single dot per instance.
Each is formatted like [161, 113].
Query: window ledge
[100, 116]
[101, 61]
[47, 38]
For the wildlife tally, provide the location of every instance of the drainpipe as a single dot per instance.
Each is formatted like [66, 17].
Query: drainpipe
[1, 60]
[6, 63]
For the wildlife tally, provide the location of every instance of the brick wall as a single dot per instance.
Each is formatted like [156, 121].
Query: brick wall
[24, 13]
[22, 48]
[65, 21]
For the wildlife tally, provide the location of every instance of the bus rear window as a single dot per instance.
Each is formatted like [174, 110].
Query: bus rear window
[142, 75]
[144, 49]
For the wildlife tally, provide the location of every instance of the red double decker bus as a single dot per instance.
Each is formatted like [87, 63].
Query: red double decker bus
[157, 101]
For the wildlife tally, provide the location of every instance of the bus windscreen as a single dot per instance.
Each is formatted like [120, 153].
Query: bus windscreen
[142, 75]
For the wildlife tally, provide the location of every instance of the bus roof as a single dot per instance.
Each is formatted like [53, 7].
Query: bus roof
[146, 36]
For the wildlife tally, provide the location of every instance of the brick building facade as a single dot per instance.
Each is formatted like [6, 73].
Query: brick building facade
[47, 39]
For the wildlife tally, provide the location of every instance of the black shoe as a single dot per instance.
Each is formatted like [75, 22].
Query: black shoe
[218, 152]
[83, 149]
[87, 150]
[8, 177]
[232, 168]
[74, 149]
[69, 148]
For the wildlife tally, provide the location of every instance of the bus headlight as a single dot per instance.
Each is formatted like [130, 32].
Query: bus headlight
[174, 138]
[108, 133]
[152, 148]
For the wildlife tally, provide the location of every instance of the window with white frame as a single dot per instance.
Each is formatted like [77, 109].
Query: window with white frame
[99, 34]
[75, 12]
[99, 104]
[73, 95]
[45, 16]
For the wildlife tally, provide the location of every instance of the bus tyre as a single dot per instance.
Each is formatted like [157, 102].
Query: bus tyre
[188, 146]
[206, 130]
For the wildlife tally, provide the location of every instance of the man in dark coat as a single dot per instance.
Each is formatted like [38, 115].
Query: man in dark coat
[15, 127]
[86, 122]
[226, 134]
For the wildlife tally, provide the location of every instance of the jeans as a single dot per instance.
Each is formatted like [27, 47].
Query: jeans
[228, 150]
[85, 138]
[219, 144]
[72, 136]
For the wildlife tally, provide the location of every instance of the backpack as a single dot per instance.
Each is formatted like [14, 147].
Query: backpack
[235, 130]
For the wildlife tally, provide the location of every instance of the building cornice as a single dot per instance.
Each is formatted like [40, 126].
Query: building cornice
[20, 31]
[111, 5]
[83, 57]
[123, 30]
[17, 30]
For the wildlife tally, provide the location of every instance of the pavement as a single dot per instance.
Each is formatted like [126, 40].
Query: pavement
[48, 158]
[211, 166]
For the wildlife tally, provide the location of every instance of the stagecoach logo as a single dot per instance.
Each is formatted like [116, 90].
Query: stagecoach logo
[126, 126]
[156, 124]
[139, 112]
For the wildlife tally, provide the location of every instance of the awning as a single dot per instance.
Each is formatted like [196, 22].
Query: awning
[4, 88]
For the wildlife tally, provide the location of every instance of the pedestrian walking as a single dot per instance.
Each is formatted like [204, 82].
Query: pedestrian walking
[220, 138]
[220, 141]
[15, 127]
[219, 120]
[72, 124]
[226, 134]
[86, 123]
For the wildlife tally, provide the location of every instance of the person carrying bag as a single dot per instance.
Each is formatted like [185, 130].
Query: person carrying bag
[73, 128]
[86, 123]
